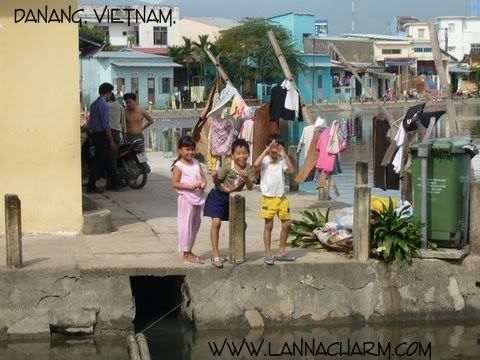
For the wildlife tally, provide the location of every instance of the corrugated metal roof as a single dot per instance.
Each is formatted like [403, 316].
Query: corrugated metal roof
[144, 64]
[377, 37]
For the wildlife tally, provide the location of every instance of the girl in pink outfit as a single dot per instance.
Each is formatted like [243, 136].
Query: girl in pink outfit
[189, 181]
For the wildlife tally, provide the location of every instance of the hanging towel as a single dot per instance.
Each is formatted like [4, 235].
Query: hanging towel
[306, 139]
[399, 139]
[326, 161]
[225, 96]
[196, 93]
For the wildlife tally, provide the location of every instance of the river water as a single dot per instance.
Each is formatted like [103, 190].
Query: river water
[173, 340]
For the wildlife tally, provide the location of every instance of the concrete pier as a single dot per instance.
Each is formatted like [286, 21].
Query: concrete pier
[82, 284]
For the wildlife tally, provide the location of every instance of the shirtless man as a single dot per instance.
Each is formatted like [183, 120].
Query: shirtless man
[134, 115]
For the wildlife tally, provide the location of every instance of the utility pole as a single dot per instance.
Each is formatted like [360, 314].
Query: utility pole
[353, 16]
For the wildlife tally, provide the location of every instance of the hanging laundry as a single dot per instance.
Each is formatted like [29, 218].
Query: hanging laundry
[225, 96]
[221, 136]
[247, 134]
[277, 105]
[384, 177]
[326, 160]
[237, 106]
[306, 139]
[399, 139]
[196, 93]
[292, 101]
[336, 141]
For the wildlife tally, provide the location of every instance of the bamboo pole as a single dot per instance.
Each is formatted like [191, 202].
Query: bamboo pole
[288, 75]
[350, 68]
[13, 231]
[215, 61]
[452, 129]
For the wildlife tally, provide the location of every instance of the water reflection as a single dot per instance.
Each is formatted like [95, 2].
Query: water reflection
[174, 341]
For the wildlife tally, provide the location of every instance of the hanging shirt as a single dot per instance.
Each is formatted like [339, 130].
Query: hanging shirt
[221, 136]
[326, 161]
[306, 139]
[292, 99]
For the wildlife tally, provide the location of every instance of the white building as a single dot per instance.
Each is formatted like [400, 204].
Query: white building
[193, 27]
[457, 33]
[150, 26]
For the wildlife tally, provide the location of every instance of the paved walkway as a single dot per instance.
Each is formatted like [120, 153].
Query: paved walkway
[144, 234]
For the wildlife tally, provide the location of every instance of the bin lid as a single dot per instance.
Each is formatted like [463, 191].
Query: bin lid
[454, 146]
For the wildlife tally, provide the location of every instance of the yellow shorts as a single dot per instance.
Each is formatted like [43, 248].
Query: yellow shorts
[272, 206]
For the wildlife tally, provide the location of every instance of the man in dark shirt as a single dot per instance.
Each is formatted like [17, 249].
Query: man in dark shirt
[102, 140]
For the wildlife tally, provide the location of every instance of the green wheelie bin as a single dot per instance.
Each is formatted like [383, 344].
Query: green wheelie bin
[448, 188]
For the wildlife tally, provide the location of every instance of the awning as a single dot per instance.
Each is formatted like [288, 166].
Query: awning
[382, 75]
[144, 64]
[400, 62]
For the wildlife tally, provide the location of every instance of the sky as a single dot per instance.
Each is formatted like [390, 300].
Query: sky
[371, 16]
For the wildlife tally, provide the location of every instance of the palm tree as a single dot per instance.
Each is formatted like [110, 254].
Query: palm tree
[203, 41]
[188, 54]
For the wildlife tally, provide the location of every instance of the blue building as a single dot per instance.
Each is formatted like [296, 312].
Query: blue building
[300, 26]
[314, 79]
[148, 76]
[475, 8]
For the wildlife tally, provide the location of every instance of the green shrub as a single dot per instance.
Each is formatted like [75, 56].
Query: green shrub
[302, 230]
[395, 237]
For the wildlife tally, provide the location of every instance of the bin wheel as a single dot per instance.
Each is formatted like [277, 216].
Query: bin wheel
[459, 239]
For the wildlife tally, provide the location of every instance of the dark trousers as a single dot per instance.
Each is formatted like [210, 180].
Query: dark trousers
[102, 161]
[112, 159]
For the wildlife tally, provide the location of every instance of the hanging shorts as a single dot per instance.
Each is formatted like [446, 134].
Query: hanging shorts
[217, 205]
[272, 206]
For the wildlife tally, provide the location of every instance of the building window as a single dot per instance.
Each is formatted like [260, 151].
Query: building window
[451, 48]
[124, 33]
[319, 81]
[421, 33]
[165, 85]
[306, 35]
[451, 27]
[160, 35]
[120, 85]
[134, 86]
[419, 50]
[151, 90]
[475, 48]
[391, 51]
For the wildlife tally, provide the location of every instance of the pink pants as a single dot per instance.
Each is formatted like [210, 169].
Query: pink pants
[188, 223]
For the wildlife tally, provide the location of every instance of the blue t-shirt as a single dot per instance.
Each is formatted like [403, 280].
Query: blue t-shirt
[99, 115]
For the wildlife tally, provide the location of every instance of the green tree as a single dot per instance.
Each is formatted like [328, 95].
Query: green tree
[246, 52]
[200, 55]
[97, 32]
[477, 76]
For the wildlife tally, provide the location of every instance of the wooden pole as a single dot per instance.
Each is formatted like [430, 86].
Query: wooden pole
[350, 68]
[143, 347]
[237, 228]
[361, 222]
[453, 128]
[215, 61]
[133, 351]
[13, 231]
[474, 230]
[292, 153]
[288, 75]
[361, 173]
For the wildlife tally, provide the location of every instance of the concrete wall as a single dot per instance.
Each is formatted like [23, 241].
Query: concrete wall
[463, 31]
[40, 147]
[193, 29]
[308, 78]
[406, 50]
[358, 50]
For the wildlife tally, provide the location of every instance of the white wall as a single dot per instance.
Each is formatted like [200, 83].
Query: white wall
[145, 29]
[406, 50]
[463, 32]
[193, 29]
